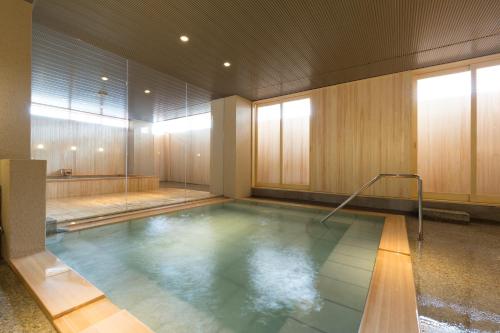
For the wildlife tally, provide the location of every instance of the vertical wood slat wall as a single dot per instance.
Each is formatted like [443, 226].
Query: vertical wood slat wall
[366, 127]
[183, 157]
[58, 135]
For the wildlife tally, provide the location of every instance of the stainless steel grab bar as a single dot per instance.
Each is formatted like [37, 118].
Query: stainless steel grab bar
[380, 176]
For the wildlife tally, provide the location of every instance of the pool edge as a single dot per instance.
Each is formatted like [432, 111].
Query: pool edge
[391, 302]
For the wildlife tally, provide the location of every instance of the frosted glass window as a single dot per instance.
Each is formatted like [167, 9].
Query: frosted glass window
[488, 130]
[296, 141]
[268, 144]
[444, 111]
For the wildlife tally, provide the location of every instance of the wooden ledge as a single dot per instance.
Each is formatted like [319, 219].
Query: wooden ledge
[394, 236]
[85, 317]
[121, 321]
[58, 294]
[391, 305]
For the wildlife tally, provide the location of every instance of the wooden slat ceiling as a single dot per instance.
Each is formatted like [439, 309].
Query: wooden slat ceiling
[279, 47]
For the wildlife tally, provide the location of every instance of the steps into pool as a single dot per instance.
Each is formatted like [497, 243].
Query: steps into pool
[86, 316]
[72, 303]
[58, 294]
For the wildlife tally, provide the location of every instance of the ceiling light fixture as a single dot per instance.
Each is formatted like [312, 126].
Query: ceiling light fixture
[227, 64]
[100, 149]
[147, 91]
[104, 78]
[184, 38]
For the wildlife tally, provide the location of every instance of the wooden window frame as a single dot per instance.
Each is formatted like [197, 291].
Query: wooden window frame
[471, 65]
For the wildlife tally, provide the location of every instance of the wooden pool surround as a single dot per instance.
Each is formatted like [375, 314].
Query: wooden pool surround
[75, 305]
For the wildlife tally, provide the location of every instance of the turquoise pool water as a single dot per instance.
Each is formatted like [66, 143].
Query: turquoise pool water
[233, 267]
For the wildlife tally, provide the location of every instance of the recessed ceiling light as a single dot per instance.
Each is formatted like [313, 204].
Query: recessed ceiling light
[104, 78]
[227, 64]
[100, 149]
[40, 146]
[147, 91]
[184, 38]
[73, 148]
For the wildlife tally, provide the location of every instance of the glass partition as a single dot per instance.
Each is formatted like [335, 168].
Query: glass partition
[116, 134]
[79, 125]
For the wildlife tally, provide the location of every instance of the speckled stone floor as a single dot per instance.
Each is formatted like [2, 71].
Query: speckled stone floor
[18, 311]
[457, 276]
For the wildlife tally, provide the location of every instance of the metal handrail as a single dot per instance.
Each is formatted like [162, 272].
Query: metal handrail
[380, 176]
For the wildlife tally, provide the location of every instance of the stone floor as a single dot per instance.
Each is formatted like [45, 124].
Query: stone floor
[457, 273]
[18, 311]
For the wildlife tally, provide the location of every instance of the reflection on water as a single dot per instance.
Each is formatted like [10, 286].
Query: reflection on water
[227, 268]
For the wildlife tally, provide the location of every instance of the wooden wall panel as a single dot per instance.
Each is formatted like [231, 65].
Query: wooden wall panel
[183, 157]
[444, 135]
[58, 135]
[360, 129]
[371, 126]
[488, 130]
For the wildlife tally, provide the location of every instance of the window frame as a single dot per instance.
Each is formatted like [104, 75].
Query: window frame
[471, 65]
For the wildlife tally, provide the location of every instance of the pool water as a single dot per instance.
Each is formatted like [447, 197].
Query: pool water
[233, 267]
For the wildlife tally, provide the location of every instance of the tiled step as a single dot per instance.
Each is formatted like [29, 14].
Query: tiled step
[86, 316]
[120, 322]
[57, 287]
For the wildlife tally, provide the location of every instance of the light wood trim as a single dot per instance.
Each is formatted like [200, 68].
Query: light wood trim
[440, 72]
[122, 322]
[58, 294]
[284, 98]
[85, 317]
[473, 131]
[394, 236]
[391, 304]
[462, 63]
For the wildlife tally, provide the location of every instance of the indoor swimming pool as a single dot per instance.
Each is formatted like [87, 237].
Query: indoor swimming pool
[240, 266]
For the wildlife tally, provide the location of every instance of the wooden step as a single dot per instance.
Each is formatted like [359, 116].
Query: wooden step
[86, 316]
[120, 322]
[58, 294]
